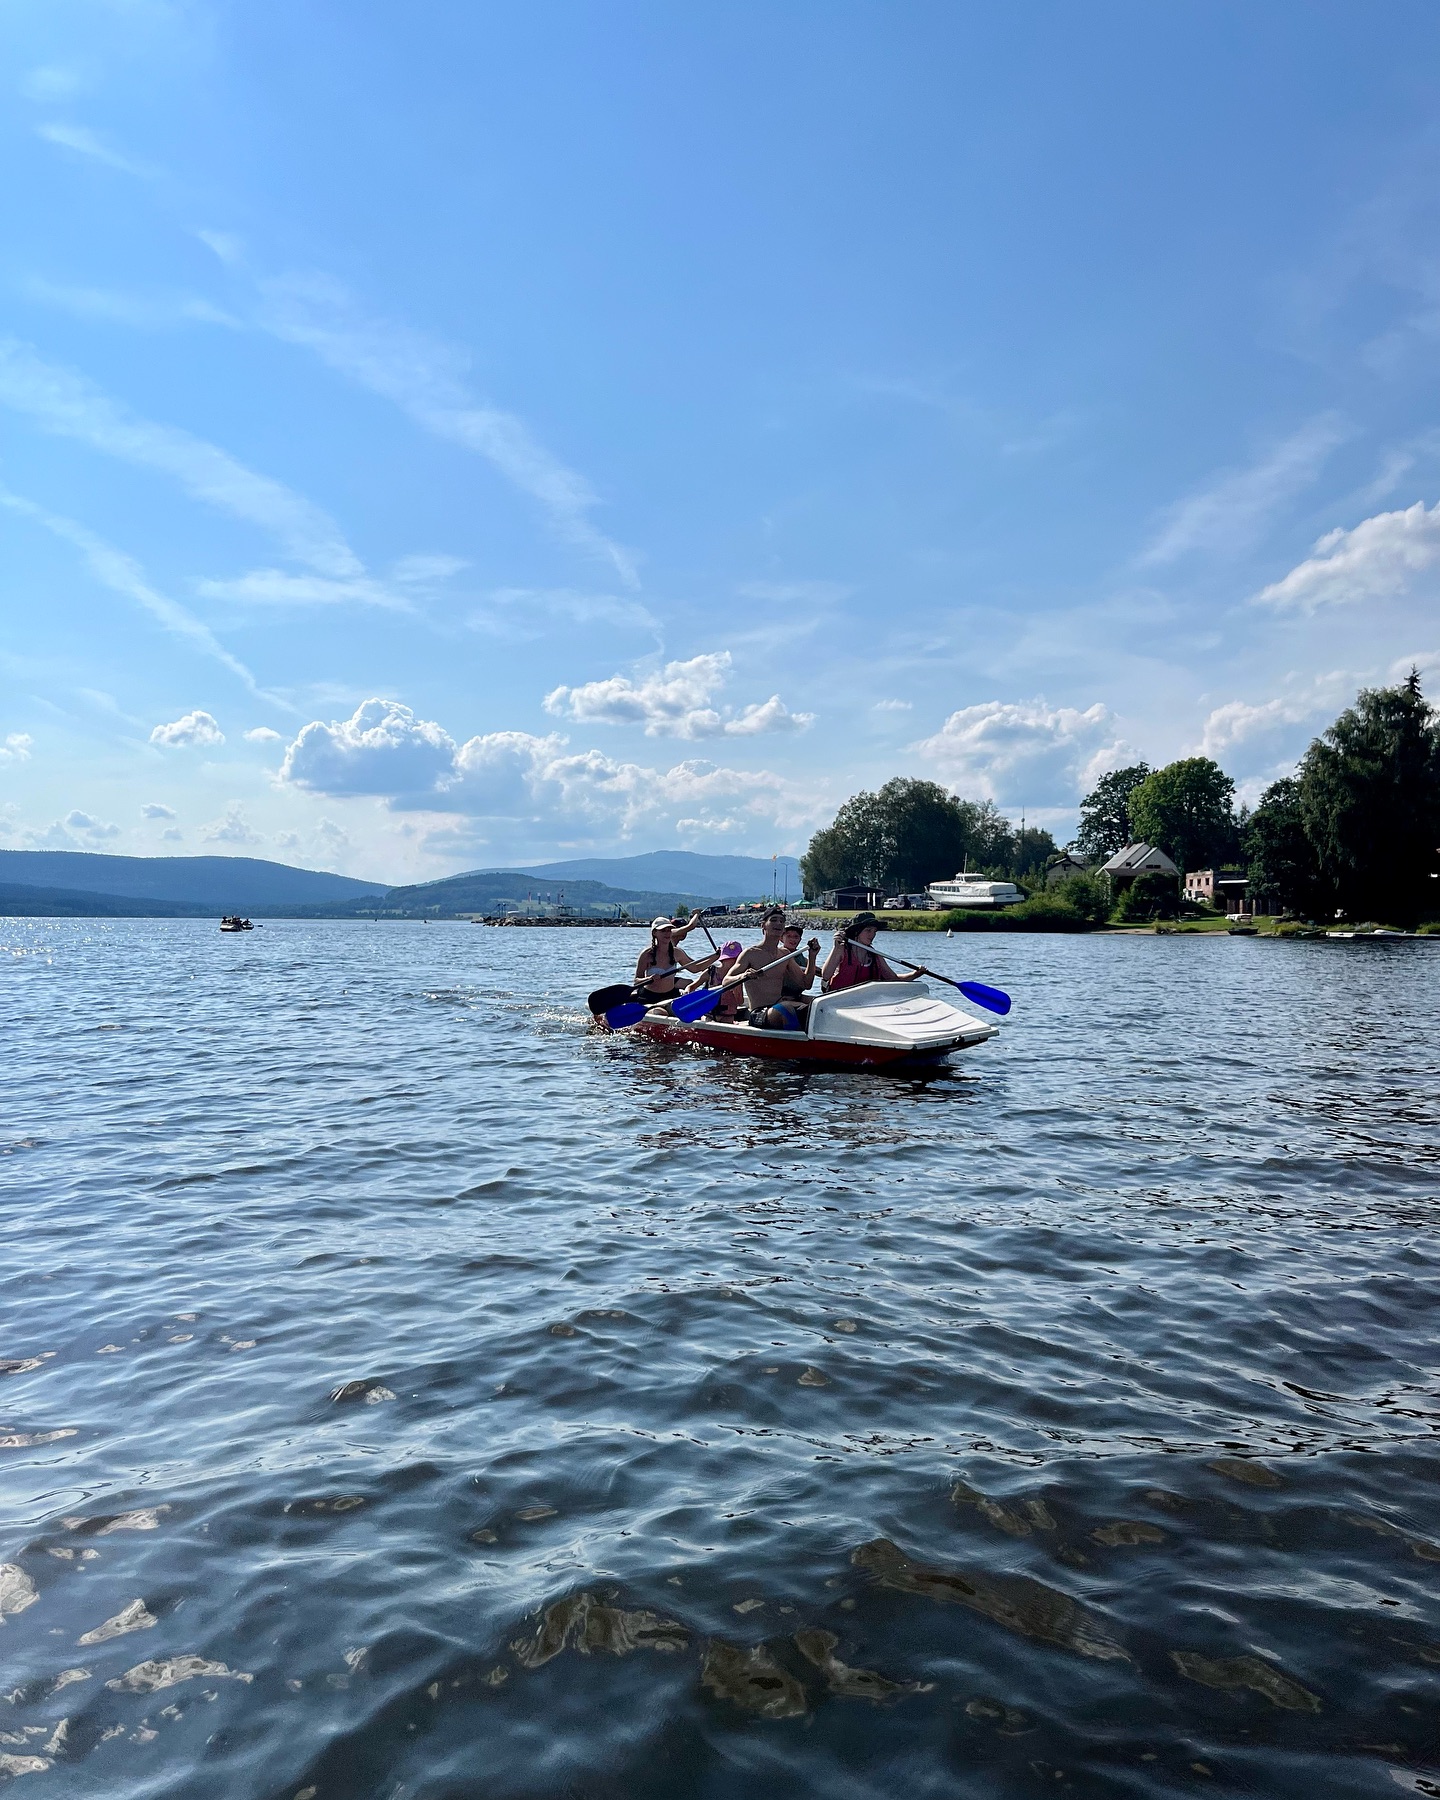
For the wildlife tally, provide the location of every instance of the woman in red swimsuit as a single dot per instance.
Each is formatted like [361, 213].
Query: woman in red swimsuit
[852, 961]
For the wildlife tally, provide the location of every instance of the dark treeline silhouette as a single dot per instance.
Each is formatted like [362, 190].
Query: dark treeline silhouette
[1356, 831]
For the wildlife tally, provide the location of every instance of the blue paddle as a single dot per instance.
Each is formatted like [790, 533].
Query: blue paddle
[631, 1012]
[992, 999]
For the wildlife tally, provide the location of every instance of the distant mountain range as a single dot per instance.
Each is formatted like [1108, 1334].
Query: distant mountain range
[684, 871]
[211, 883]
[79, 884]
[492, 890]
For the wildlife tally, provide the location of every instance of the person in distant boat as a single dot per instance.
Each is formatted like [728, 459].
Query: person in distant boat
[853, 961]
[662, 962]
[728, 1010]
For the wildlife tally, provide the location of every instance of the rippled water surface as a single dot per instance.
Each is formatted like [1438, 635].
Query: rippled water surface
[407, 1392]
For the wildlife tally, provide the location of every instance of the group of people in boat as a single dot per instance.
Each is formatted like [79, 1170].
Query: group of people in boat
[768, 985]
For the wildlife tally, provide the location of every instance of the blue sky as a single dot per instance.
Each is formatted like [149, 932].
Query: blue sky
[459, 435]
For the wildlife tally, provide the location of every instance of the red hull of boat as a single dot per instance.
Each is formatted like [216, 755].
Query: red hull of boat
[784, 1046]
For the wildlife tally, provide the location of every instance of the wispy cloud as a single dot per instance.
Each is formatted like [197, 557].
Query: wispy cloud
[1229, 516]
[1376, 560]
[142, 312]
[1239, 722]
[120, 573]
[16, 747]
[531, 612]
[274, 587]
[84, 142]
[64, 403]
[676, 701]
[427, 380]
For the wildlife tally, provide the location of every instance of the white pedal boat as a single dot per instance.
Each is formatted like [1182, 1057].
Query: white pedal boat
[877, 1023]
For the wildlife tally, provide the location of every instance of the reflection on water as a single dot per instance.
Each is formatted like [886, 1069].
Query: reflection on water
[405, 1390]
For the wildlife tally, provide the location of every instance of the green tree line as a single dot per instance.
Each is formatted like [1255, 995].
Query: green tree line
[911, 833]
[1355, 832]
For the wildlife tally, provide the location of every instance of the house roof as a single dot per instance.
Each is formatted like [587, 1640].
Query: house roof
[1136, 857]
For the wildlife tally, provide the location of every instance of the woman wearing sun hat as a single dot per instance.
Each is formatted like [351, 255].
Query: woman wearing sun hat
[853, 960]
[662, 961]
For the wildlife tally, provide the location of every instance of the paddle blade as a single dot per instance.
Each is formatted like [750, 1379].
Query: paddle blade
[631, 1013]
[604, 998]
[695, 1005]
[991, 998]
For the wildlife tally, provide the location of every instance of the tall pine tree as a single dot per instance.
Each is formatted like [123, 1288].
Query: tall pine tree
[1369, 796]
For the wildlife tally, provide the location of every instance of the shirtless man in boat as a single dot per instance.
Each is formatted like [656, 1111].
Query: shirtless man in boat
[765, 993]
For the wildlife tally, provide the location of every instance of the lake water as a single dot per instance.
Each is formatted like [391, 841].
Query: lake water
[1063, 1423]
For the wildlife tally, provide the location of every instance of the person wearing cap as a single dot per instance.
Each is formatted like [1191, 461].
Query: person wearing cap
[663, 961]
[728, 1011]
[853, 961]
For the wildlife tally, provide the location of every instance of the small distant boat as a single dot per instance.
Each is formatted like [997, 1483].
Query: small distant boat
[233, 922]
[875, 1025]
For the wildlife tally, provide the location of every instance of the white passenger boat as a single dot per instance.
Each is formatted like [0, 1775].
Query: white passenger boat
[975, 890]
[870, 1026]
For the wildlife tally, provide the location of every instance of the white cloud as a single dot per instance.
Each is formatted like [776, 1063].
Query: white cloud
[425, 570]
[142, 312]
[1239, 721]
[262, 734]
[273, 587]
[427, 380]
[286, 840]
[1426, 661]
[1229, 516]
[90, 827]
[535, 790]
[153, 809]
[529, 612]
[64, 403]
[231, 828]
[382, 749]
[1025, 752]
[895, 706]
[1375, 560]
[796, 593]
[225, 245]
[675, 702]
[84, 142]
[332, 838]
[173, 836]
[196, 730]
[16, 748]
[123, 575]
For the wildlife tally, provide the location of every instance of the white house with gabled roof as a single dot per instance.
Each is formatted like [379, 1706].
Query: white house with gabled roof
[1137, 859]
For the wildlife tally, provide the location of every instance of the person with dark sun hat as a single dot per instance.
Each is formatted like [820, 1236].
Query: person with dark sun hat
[853, 960]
